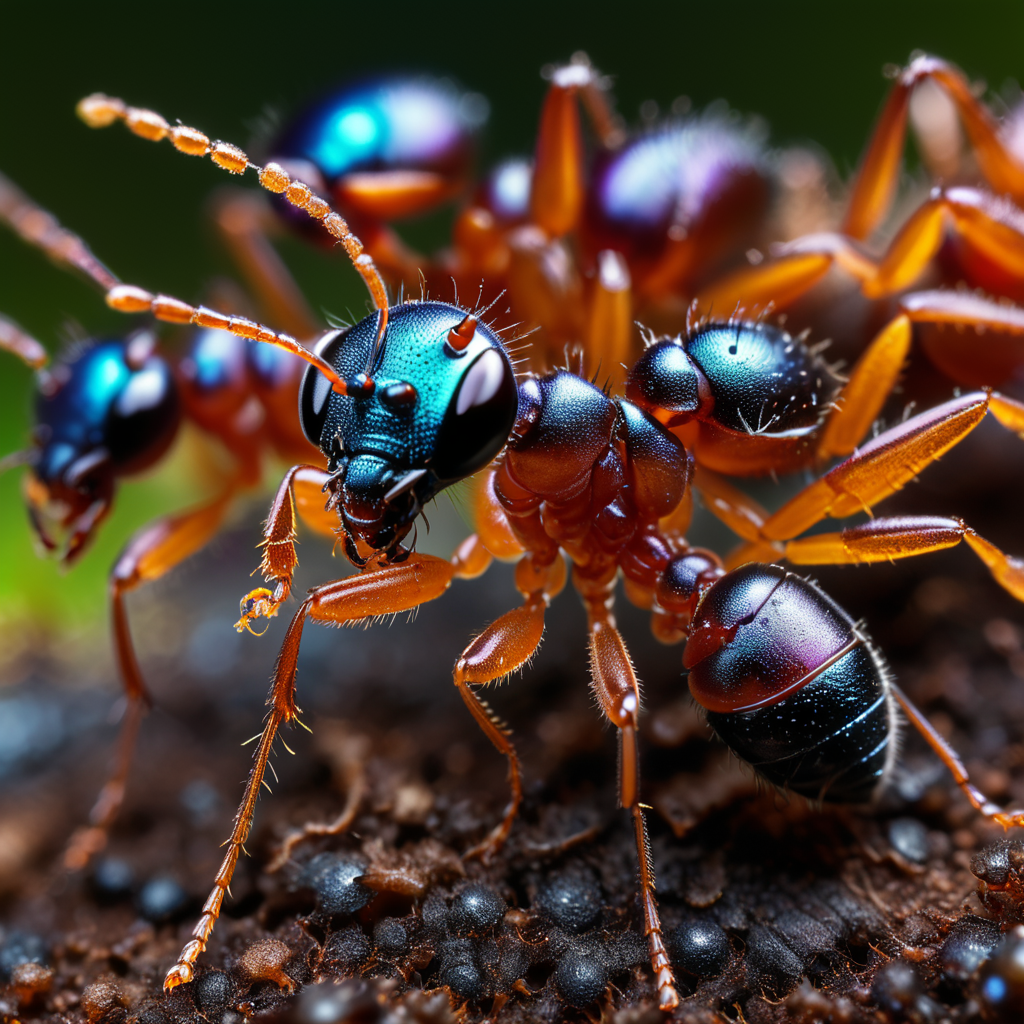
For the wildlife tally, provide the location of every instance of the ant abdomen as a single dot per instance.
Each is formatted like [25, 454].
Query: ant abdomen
[792, 685]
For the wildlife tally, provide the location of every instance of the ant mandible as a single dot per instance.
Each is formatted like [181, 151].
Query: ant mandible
[419, 395]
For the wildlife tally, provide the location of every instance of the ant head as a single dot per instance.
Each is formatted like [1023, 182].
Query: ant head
[440, 405]
[111, 409]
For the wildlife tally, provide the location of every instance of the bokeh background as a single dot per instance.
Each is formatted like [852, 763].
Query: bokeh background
[813, 71]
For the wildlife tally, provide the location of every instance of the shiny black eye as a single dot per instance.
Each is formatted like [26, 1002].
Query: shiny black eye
[479, 418]
[315, 390]
[143, 418]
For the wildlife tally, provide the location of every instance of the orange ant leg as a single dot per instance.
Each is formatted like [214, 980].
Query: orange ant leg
[152, 552]
[878, 174]
[380, 591]
[776, 282]
[610, 330]
[556, 198]
[244, 222]
[889, 461]
[885, 540]
[302, 486]
[505, 645]
[873, 377]
[950, 758]
[615, 685]
[744, 516]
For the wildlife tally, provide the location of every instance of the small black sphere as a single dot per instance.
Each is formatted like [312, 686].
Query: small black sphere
[897, 987]
[969, 944]
[994, 863]
[347, 950]
[701, 948]
[18, 948]
[390, 936]
[476, 908]
[572, 900]
[464, 980]
[581, 976]
[1001, 984]
[112, 879]
[909, 838]
[161, 899]
[212, 991]
[332, 877]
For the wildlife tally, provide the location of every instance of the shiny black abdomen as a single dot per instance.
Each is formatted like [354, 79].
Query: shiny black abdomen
[830, 740]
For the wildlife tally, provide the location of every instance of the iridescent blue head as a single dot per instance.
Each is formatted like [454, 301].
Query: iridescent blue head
[385, 147]
[441, 404]
[112, 409]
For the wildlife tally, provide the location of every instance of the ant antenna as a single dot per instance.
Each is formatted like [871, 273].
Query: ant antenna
[99, 111]
[14, 340]
[41, 229]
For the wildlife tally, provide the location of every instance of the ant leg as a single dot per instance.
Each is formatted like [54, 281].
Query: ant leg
[14, 340]
[557, 194]
[381, 591]
[152, 552]
[874, 375]
[883, 465]
[610, 331]
[777, 282]
[244, 222]
[505, 645]
[303, 486]
[950, 758]
[886, 539]
[744, 516]
[615, 685]
[877, 177]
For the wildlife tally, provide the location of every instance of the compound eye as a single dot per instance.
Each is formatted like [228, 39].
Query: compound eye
[143, 417]
[315, 390]
[479, 418]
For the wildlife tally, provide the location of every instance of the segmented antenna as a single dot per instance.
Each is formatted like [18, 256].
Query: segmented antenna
[41, 229]
[99, 111]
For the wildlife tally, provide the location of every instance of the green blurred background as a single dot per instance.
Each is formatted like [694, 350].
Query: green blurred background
[814, 71]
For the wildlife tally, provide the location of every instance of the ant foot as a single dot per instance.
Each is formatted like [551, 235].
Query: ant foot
[179, 974]
[485, 851]
[256, 604]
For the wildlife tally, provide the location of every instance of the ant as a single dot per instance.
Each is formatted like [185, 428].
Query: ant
[113, 407]
[420, 394]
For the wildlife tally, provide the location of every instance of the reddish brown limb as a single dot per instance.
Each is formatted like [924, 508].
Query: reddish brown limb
[244, 222]
[885, 540]
[99, 111]
[889, 461]
[14, 340]
[950, 758]
[302, 484]
[877, 177]
[41, 229]
[610, 327]
[615, 685]
[991, 225]
[556, 198]
[380, 591]
[744, 516]
[152, 552]
[776, 282]
[505, 645]
[875, 373]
